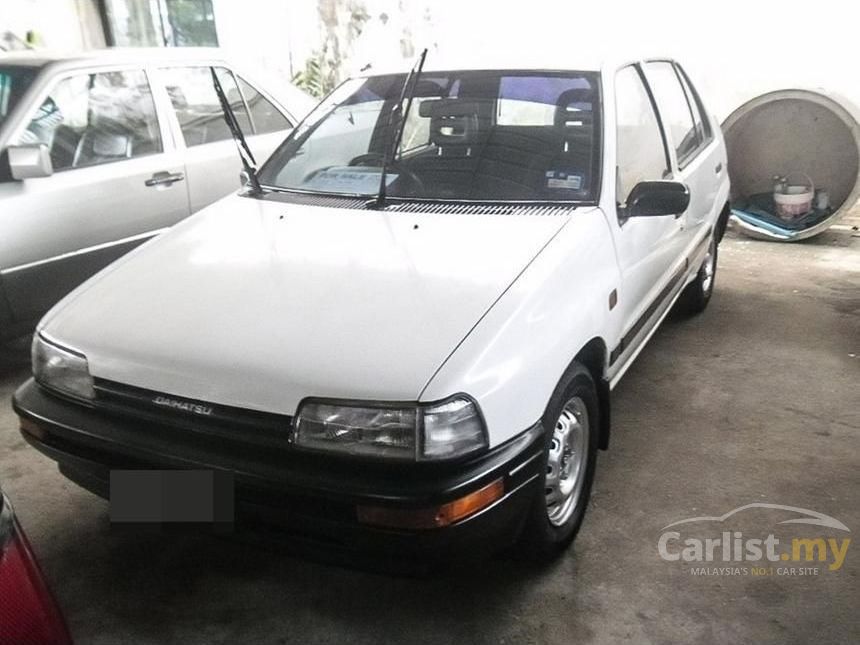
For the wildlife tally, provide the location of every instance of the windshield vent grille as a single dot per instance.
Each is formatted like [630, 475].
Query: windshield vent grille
[460, 208]
[442, 208]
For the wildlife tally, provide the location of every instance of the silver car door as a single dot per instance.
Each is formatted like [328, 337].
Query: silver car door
[117, 181]
[211, 160]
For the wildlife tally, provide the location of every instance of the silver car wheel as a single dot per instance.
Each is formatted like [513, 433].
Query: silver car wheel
[568, 458]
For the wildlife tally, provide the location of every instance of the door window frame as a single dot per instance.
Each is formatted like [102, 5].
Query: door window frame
[667, 153]
[679, 73]
[291, 120]
[61, 76]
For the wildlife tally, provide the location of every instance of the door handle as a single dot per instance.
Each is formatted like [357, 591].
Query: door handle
[719, 168]
[164, 178]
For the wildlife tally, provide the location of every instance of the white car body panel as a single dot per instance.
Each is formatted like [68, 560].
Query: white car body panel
[259, 304]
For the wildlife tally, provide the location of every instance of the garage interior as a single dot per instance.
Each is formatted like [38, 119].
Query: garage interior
[753, 402]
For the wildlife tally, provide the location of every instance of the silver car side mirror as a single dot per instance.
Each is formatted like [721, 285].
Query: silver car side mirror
[26, 162]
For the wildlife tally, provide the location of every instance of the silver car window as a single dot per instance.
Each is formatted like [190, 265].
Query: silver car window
[196, 104]
[91, 119]
[266, 117]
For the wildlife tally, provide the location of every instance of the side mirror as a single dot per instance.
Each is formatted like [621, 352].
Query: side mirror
[30, 161]
[656, 198]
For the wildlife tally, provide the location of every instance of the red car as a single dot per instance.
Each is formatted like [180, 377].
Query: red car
[28, 612]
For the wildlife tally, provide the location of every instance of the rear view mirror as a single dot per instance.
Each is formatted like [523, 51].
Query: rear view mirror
[656, 198]
[26, 162]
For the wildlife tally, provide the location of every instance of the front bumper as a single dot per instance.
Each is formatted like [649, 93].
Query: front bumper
[311, 498]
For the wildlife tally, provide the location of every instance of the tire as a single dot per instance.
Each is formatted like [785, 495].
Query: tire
[550, 527]
[696, 295]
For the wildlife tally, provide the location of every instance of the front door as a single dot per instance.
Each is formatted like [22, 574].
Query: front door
[647, 247]
[114, 185]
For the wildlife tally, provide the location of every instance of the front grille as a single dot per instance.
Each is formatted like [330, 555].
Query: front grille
[247, 426]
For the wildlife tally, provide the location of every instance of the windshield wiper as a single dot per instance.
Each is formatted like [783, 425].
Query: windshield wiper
[248, 162]
[406, 94]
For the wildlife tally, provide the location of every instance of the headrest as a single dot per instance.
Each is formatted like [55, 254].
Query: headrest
[457, 121]
[574, 108]
[110, 144]
[481, 108]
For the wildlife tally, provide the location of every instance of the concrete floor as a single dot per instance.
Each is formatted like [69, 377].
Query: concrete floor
[756, 400]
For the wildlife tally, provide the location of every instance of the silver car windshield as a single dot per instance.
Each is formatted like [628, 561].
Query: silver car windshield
[477, 135]
[14, 81]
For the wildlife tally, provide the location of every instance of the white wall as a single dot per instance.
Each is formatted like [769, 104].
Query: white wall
[735, 49]
[62, 25]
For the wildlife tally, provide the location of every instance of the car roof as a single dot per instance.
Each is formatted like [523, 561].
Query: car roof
[516, 61]
[113, 55]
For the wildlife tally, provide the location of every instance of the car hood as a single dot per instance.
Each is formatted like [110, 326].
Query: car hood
[260, 304]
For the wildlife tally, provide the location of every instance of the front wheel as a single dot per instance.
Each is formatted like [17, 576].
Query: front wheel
[571, 424]
[696, 295]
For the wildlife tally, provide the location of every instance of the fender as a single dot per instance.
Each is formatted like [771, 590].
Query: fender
[526, 342]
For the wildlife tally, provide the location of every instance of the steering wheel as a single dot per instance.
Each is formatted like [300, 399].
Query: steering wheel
[375, 159]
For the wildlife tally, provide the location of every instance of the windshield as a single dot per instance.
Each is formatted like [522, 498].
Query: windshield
[478, 135]
[14, 81]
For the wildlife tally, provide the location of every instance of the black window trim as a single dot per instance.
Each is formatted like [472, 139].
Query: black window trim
[680, 73]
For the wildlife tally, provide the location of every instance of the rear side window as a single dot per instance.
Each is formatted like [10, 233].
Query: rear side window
[675, 110]
[266, 117]
[92, 119]
[641, 151]
[196, 103]
[703, 126]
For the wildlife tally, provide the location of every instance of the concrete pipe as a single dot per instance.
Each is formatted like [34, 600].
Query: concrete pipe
[790, 131]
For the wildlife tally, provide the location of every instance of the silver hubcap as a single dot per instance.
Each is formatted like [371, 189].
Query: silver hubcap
[708, 267]
[568, 454]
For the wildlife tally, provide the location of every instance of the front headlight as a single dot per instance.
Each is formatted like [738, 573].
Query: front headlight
[63, 370]
[445, 430]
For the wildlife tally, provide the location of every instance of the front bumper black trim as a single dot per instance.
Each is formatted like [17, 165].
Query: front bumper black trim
[312, 495]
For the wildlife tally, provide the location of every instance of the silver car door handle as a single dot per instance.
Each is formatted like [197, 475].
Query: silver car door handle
[164, 178]
[719, 168]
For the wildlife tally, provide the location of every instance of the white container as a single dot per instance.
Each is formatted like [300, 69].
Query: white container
[794, 200]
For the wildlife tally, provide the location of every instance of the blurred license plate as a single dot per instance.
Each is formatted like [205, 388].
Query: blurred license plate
[173, 496]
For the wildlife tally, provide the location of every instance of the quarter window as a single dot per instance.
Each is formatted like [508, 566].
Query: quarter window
[675, 109]
[703, 127]
[641, 152]
[196, 104]
[266, 117]
[92, 119]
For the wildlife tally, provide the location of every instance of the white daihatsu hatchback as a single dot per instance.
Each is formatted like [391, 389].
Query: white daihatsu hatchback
[407, 335]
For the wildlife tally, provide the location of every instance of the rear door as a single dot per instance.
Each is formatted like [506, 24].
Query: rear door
[697, 158]
[211, 159]
[117, 181]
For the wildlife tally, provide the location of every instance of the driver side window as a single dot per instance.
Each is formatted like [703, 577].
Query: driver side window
[91, 119]
[640, 148]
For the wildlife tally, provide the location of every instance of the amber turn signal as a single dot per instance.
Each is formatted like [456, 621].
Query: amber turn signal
[434, 517]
